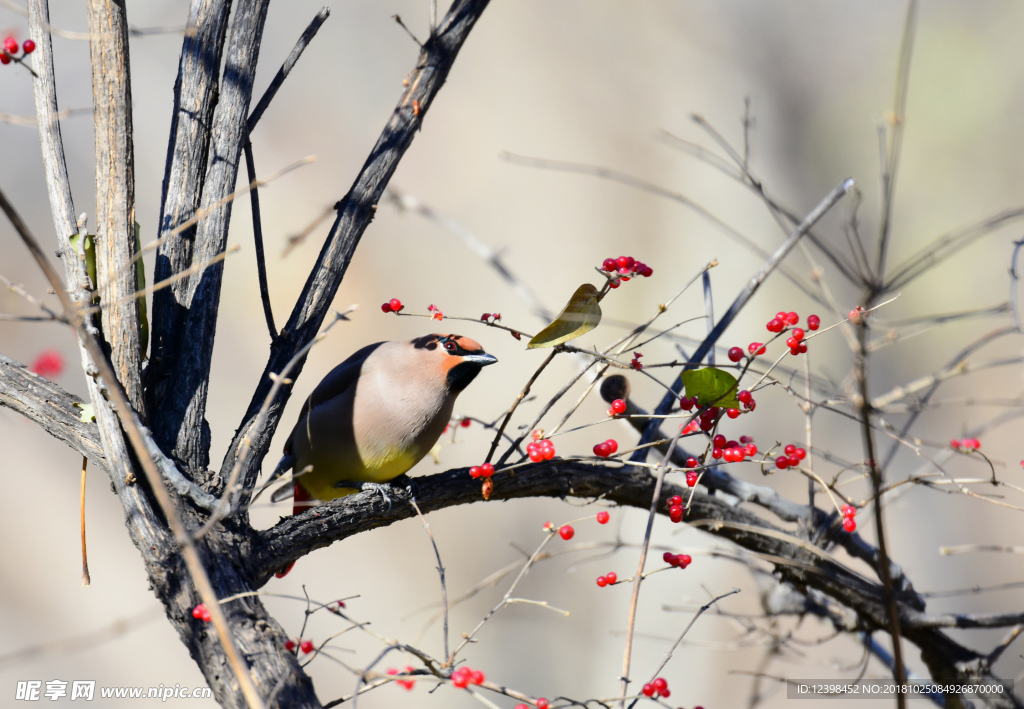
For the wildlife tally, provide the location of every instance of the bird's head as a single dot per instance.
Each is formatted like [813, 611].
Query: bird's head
[459, 357]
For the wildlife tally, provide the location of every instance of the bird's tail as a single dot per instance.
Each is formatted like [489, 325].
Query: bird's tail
[286, 463]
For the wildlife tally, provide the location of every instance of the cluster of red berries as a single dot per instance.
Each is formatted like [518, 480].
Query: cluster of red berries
[491, 317]
[731, 451]
[676, 509]
[849, 523]
[657, 687]
[201, 612]
[407, 683]
[680, 560]
[635, 362]
[463, 677]
[791, 458]
[392, 306]
[966, 444]
[627, 267]
[618, 407]
[606, 449]
[481, 471]
[780, 322]
[437, 314]
[11, 49]
[608, 579]
[48, 364]
[305, 645]
[539, 450]
[541, 703]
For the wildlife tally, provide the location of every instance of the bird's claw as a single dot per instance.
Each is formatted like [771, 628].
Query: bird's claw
[378, 488]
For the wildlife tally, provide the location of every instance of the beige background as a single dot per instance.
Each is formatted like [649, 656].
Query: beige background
[589, 81]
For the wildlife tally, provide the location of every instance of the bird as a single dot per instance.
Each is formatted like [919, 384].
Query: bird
[375, 415]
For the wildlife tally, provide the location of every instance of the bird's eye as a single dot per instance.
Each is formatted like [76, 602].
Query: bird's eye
[450, 346]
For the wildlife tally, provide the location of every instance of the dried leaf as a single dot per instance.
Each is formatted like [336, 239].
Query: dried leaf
[487, 488]
[578, 317]
[711, 386]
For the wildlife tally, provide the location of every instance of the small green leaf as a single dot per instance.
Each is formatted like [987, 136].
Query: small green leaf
[89, 250]
[711, 386]
[140, 284]
[88, 414]
[580, 315]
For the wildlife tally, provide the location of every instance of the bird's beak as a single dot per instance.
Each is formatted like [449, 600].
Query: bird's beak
[483, 359]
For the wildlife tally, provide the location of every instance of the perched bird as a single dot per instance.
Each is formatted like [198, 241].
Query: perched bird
[375, 415]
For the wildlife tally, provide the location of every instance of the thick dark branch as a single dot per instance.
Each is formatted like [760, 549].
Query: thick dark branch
[355, 212]
[115, 193]
[195, 97]
[53, 409]
[180, 424]
[797, 562]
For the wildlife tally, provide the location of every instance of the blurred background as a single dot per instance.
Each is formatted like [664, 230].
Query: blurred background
[594, 82]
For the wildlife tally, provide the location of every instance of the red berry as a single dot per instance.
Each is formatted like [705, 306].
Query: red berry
[48, 364]
[719, 441]
[691, 479]
[199, 611]
[612, 446]
[793, 344]
[602, 517]
[613, 284]
[566, 531]
[775, 325]
[716, 453]
[646, 271]
[732, 413]
[675, 513]
[675, 500]
[791, 318]
[289, 645]
[602, 450]
[609, 265]
[28, 46]
[665, 694]
[750, 450]
[534, 452]
[10, 45]
[602, 581]
[477, 677]
[522, 706]
[542, 703]
[625, 262]
[692, 463]
[306, 646]
[460, 680]
[612, 577]
[685, 560]
[735, 354]
[744, 396]
[660, 685]
[486, 470]
[648, 690]
[385, 307]
[848, 511]
[955, 443]
[849, 524]
[475, 472]
[668, 557]
[972, 443]
[5, 58]
[782, 462]
[790, 449]
[800, 453]
[619, 406]
[798, 334]
[756, 348]
[813, 322]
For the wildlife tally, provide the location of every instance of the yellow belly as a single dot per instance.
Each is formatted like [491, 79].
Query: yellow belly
[323, 480]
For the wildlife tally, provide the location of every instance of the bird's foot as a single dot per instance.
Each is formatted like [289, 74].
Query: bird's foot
[381, 489]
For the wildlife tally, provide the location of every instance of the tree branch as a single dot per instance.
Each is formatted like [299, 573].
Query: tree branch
[115, 194]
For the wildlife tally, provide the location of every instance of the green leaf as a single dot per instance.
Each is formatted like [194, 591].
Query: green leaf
[711, 386]
[88, 414]
[89, 250]
[580, 315]
[140, 284]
